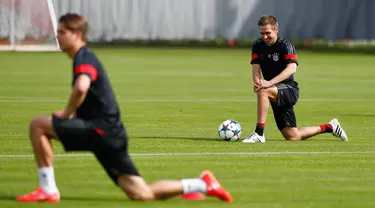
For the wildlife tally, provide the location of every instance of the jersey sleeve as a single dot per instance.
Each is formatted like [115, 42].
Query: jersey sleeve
[255, 53]
[290, 53]
[86, 65]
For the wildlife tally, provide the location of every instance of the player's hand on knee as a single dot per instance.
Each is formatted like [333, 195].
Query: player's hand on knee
[262, 84]
[257, 86]
[265, 84]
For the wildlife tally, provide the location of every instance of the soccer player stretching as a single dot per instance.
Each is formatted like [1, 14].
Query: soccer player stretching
[91, 121]
[275, 58]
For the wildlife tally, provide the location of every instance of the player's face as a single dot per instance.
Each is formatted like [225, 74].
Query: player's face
[268, 34]
[66, 37]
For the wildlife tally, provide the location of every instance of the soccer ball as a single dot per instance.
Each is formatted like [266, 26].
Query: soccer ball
[230, 130]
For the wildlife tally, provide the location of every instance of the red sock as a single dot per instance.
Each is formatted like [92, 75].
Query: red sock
[326, 128]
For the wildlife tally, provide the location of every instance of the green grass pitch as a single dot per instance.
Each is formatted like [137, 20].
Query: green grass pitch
[172, 101]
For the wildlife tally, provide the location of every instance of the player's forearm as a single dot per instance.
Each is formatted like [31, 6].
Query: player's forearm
[256, 75]
[285, 74]
[75, 100]
[81, 87]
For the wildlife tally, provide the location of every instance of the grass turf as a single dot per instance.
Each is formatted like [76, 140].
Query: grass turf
[172, 101]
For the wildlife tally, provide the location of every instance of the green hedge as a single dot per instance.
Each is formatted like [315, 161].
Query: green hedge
[339, 46]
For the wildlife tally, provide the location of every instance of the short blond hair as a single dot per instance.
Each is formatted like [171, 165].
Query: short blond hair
[268, 20]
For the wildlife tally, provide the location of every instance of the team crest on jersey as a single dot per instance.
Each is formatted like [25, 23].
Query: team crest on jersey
[275, 56]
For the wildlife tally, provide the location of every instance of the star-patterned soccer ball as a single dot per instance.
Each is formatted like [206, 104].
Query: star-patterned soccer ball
[230, 130]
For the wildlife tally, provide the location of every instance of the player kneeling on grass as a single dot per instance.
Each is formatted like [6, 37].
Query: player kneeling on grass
[275, 58]
[92, 122]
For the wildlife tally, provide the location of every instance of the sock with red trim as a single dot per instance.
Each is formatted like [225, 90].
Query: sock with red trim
[326, 128]
[259, 129]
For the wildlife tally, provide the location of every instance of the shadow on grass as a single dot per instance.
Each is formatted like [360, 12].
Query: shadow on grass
[97, 199]
[178, 138]
[7, 198]
[72, 198]
[199, 138]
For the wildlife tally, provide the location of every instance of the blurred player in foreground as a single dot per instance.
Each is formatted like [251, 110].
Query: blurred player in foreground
[92, 122]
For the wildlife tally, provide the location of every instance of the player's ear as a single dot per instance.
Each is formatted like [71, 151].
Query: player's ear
[79, 34]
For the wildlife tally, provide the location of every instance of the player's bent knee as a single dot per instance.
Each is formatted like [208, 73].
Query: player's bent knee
[291, 134]
[35, 125]
[292, 138]
[141, 196]
[266, 93]
[41, 125]
[135, 188]
[35, 122]
[40, 122]
[263, 92]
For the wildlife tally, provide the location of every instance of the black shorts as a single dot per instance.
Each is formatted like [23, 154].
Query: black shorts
[110, 148]
[283, 110]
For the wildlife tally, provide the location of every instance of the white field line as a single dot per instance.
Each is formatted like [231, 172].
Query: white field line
[217, 100]
[201, 154]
